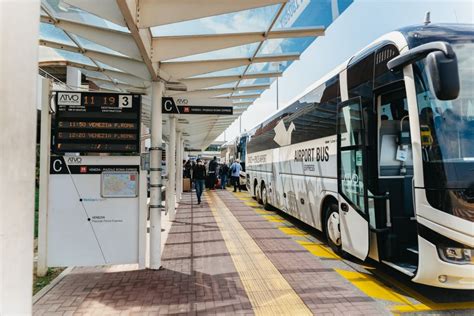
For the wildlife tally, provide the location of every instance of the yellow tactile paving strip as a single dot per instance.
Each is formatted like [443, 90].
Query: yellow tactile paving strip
[268, 291]
[292, 231]
[319, 250]
[363, 281]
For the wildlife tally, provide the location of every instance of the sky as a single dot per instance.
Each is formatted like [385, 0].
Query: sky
[361, 23]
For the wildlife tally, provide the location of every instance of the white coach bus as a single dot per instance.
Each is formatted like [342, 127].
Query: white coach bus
[379, 155]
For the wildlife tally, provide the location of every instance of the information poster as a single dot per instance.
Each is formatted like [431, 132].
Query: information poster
[94, 211]
[119, 184]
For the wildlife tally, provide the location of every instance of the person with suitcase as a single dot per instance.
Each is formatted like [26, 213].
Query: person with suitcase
[223, 173]
[212, 173]
[235, 174]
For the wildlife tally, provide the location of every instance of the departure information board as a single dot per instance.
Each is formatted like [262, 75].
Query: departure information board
[96, 122]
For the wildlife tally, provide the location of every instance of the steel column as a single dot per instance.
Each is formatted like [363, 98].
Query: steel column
[155, 174]
[171, 186]
[73, 77]
[45, 145]
[143, 208]
[179, 166]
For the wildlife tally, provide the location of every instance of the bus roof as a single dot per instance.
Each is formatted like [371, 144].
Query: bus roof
[414, 35]
[420, 34]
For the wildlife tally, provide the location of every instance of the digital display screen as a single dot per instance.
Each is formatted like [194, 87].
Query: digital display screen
[97, 148]
[96, 125]
[99, 136]
[96, 122]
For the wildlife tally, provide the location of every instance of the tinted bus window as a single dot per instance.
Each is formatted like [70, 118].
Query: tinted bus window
[317, 118]
[313, 116]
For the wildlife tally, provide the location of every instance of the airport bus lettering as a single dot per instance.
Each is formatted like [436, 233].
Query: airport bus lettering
[312, 154]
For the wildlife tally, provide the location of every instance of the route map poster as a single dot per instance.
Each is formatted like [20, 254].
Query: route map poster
[119, 184]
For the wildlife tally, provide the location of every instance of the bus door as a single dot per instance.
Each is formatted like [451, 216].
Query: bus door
[395, 175]
[352, 186]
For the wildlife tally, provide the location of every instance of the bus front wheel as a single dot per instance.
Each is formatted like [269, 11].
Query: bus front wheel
[333, 228]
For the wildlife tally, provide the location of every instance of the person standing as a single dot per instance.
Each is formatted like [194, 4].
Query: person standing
[199, 178]
[223, 173]
[187, 169]
[235, 174]
[213, 173]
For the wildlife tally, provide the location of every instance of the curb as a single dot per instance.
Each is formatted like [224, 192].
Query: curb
[53, 283]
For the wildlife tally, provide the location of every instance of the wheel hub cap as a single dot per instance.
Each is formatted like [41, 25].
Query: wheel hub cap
[333, 229]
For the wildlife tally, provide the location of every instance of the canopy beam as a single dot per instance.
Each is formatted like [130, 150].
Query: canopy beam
[106, 9]
[169, 47]
[183, 69]
[218, 91]
[142, 38]
[160, 12]
[118, 41]
[205, 82]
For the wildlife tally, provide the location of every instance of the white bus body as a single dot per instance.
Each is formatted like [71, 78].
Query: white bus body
[375, 160]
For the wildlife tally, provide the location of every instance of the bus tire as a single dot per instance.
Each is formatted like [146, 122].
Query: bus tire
[332, 228]
[254, 195]
[265, 197]
[258, 196]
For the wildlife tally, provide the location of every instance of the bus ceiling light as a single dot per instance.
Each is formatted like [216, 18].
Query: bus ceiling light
[441, 63]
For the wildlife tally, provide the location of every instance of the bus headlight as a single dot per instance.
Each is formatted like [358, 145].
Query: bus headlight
[456, 255]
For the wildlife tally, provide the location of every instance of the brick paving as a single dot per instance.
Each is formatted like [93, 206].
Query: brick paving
[320, 287]
[199, 277]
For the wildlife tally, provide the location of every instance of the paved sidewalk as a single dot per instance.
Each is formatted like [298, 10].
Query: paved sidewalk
[322, 289]
[199, 275]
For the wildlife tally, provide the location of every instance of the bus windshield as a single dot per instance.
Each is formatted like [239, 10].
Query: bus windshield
[447, 127]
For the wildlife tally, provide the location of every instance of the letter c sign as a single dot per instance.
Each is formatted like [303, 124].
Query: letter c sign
[57, 166]
[168, 104]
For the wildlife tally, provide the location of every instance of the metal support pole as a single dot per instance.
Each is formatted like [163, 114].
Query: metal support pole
[278, 94]
[45, 145]
[181, 175]
[334, 9]
[171, 186]
[18, 77]
[167, 150]
[278, 88]
[143, 205]
[73, 77]
[179, 166]
[155, 175]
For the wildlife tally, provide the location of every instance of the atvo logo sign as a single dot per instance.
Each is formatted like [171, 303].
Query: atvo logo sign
[74, 160]
[182, 101]
[69, 98]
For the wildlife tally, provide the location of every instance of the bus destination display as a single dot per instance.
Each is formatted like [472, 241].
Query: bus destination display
[97, 122]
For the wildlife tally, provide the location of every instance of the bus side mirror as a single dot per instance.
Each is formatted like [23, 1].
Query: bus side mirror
[441, 62]
[444, 75]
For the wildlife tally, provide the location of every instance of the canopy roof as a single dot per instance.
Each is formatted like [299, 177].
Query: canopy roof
[223, 50]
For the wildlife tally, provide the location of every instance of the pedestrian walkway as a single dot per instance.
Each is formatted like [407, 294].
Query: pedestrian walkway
[221, 258]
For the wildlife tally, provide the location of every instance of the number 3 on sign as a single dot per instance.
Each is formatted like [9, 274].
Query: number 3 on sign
[125, 101]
